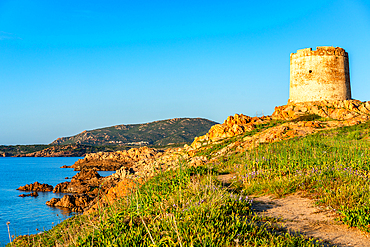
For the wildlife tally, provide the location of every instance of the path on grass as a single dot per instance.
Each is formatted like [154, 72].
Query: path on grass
[299, 214]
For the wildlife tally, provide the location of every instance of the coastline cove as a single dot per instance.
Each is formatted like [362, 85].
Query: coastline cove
[30, 215]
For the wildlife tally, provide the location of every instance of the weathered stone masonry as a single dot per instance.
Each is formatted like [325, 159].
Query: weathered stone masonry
[319, 75]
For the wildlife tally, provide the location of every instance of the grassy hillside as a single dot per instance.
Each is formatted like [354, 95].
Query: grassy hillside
[168, 133]
[190, 207]
[177, 130]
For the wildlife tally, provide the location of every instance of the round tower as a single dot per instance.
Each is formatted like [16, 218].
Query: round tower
[319, 75]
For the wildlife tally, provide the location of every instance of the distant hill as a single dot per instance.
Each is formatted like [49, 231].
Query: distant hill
[164, 132]
[69, 150]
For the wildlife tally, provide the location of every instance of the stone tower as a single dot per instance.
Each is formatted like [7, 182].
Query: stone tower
[319, 75]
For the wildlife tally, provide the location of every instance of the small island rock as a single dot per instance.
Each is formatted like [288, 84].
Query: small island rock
[36, 186]
[33, 194]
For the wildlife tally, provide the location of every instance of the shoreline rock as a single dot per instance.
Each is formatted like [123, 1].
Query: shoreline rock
[112, 161]
[36, 186]
[33, 194]
[85, 186]
[83, 182]
[65, 166]
[75, 203]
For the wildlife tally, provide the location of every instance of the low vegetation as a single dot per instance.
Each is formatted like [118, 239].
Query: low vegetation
[190, 207]
[332, 167]
[176, 208]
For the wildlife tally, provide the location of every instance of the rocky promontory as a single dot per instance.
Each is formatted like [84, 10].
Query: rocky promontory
[232, 126]
[349, 111]
[85, 186]
[111, 161]
[297, 119]
[238, 133]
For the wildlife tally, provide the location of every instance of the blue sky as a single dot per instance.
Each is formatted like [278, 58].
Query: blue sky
[68, 66]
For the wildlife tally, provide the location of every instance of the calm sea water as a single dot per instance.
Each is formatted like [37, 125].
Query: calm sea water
[29, 215]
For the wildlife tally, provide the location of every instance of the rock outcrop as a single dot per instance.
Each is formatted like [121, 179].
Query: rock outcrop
[36, 186]
[83, 182]
[75, 203]
[301, 119]
[232, 126]
[111, 161]
[121, 189]
[147, 167]
[85, 187]
[33, 194]
[344, 110]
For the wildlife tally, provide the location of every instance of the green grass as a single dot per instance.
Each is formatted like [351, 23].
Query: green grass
[330, 166]
[176, 208]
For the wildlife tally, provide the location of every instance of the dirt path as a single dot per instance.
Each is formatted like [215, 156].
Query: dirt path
[300, 215]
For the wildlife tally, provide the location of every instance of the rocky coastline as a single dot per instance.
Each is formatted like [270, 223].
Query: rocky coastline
[288, 121]
[83, 188]
[137, 164]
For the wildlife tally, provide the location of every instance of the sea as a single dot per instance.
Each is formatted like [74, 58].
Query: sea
[30, 215]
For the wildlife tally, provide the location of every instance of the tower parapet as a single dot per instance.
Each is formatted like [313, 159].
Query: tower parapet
[319, 75]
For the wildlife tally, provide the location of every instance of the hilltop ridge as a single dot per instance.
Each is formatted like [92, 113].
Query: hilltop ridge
[163, 132]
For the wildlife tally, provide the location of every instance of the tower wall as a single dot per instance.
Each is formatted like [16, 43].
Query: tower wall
[319, 75]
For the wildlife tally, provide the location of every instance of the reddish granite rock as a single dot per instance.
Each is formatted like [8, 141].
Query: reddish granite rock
[75, 203]
[52, 202]
[82, 182]
[61, 188]
[86, 175]
[112, 161]
[33, 194]
[65, 166]
[87, 185]
[36, 186]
